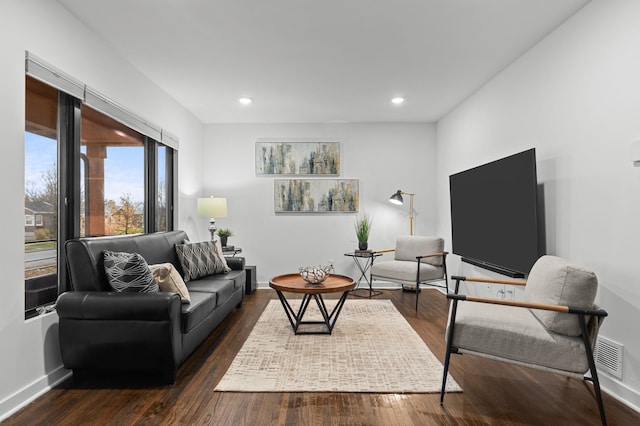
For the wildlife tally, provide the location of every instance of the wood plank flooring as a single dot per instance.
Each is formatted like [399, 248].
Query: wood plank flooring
[493, 393]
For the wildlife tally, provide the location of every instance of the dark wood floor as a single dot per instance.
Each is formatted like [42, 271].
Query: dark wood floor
[494, 393]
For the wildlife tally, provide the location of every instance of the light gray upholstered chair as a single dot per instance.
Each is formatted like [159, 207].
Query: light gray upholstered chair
[417, 260]
[554, 329]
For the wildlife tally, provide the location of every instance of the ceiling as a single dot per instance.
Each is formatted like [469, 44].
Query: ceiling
[321, 61]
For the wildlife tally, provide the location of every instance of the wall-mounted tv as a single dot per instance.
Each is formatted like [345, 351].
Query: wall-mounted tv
[494, 214]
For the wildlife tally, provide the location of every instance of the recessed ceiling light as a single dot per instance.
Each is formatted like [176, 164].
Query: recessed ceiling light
[245, 101]
[397, 100]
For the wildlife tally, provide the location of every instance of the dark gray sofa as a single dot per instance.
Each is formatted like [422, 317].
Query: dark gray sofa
[148, 332]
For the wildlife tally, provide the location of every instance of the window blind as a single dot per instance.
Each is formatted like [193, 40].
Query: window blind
[47, 73]
[39, 69]
[106, 106]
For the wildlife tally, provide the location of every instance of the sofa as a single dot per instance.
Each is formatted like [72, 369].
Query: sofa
[154, 332]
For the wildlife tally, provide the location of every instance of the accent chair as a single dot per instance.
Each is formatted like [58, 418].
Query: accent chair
[554, 329]
[417, 260]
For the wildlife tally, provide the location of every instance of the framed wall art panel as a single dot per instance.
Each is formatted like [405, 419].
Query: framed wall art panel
[298, 158]
[316, 195]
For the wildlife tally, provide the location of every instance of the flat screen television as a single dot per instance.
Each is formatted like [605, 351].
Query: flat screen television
[494, 215]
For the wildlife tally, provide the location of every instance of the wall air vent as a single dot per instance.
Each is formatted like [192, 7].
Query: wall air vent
[608, 357]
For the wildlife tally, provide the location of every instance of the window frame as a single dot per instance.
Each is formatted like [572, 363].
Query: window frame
[68, 169]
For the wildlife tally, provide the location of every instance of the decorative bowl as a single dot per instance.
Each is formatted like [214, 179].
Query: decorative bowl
[315, 274]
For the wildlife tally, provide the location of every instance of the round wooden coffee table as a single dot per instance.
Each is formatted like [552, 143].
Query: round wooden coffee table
[293, 283]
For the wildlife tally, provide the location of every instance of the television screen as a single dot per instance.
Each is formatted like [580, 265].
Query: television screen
[494, 216]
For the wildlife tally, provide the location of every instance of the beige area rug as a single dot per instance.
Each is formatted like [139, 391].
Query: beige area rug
[372, 349]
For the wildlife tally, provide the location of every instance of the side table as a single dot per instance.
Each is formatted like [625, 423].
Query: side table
[364, 262]
[251, 282]
[231, 251]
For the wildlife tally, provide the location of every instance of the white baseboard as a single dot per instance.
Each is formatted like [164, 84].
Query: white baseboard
[620, 391]
[24, 396]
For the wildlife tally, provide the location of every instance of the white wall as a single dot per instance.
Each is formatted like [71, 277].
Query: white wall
[29, 353]
[575, 97]
[384, 157]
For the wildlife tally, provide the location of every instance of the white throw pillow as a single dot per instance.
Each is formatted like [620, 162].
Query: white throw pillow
[169, 280]
[221, 255]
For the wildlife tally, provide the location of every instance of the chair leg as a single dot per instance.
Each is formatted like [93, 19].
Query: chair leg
[417, 294]
[592, 367]
[444, 268]
[447, 356]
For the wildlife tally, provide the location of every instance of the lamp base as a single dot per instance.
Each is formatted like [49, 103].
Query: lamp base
[212, 228]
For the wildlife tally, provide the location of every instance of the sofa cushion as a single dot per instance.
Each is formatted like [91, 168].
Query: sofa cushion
[555, 281]
[201, 307]
[200, 259]
[169, 279]
[515, 334]
[216, 284]
[405, 271]
[128, 272]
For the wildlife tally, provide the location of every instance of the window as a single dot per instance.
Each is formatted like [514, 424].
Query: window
[164, 211]
[113, 190]
[86, 174]
[41, 194]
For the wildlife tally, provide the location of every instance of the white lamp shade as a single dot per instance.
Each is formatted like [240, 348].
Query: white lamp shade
[212, 207]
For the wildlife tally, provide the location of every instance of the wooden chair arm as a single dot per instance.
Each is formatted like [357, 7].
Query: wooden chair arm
[489, 280]
[530, 305]
[444, 253]
[384, 251]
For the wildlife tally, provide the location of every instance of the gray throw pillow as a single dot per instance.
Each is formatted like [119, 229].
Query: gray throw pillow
[128, 272]
[200, 259]
[555, 281]
[410, 246]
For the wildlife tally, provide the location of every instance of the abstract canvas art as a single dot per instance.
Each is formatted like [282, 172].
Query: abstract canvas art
[298, 158]
[316, 195]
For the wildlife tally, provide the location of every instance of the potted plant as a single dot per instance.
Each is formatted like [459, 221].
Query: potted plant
[224, 234]
[363, 227]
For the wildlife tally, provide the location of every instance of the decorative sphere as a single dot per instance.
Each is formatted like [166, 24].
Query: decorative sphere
[315, 274]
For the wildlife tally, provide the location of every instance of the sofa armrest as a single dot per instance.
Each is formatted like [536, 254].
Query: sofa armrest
[97, 305]
[121, 331]
[236, 263]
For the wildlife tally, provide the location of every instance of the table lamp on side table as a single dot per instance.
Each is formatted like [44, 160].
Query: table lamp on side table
[212, 207]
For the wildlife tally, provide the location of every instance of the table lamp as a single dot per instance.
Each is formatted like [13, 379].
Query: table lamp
[396, 198]
[212, 207]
